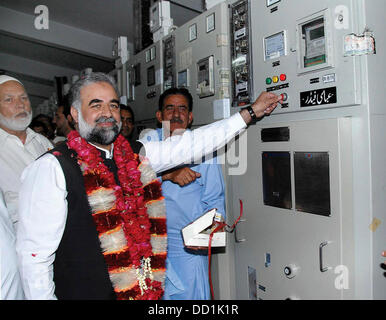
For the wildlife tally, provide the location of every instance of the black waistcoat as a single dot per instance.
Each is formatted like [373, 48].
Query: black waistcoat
[80, 270]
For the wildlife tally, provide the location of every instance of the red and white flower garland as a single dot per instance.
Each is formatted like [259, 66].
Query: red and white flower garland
[130, 218]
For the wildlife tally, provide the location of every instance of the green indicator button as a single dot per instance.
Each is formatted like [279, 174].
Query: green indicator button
[268, 81]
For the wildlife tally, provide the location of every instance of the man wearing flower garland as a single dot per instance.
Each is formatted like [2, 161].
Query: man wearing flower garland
[92, 225]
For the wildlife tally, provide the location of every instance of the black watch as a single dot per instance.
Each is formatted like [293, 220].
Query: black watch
[251, 113]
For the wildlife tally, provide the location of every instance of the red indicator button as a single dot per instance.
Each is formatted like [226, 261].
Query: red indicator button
[283, 77]
[284, 97]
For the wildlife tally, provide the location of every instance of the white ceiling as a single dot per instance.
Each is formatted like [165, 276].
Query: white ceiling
[108, 18]
[111, 18]
[50, 54]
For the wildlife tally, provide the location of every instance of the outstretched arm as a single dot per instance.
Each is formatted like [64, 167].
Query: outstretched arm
[193, 145]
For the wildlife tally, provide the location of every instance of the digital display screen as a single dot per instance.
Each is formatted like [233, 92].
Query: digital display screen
[317, 33]
[275, 46]
[315, 43]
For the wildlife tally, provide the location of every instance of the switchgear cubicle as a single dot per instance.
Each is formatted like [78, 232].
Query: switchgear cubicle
[312, 175]
[313, 188]
[194, 55]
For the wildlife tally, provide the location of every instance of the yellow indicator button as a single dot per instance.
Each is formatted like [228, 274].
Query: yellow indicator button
[275, 79]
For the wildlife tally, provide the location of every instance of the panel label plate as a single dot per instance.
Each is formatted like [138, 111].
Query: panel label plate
[318, 97]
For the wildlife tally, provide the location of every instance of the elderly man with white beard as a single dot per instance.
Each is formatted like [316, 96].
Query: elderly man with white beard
[92, 216]
[19, 144]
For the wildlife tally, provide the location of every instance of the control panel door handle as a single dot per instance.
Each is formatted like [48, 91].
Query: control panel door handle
[241, 239]
[321, 246]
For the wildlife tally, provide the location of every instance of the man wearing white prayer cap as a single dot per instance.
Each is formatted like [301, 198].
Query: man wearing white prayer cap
[19, 145]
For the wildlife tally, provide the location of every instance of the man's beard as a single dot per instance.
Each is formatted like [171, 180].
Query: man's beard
[99, 135]
[15, 123]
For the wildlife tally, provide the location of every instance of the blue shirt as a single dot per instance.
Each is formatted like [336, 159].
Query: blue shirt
[187, 271]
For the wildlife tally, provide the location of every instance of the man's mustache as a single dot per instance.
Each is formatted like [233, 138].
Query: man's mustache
[22, 114]
[176, 120]
[105, 119]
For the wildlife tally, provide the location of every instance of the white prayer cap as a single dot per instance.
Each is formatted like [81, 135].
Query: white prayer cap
[4, 78]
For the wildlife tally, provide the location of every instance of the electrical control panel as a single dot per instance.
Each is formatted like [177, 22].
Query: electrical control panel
[300, 54]
[315, 165]
[169, 62]
[203, 63]
[242, 80]
[144, 77]
[205, 77]
[159, 12]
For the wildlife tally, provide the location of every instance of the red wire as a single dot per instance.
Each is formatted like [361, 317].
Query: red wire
[220, 226]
